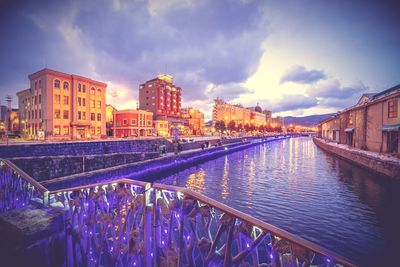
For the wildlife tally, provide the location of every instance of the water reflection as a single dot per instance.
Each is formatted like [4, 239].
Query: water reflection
[296, 186]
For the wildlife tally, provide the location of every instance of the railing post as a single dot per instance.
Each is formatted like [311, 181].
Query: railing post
[149, 239]
[46, 198]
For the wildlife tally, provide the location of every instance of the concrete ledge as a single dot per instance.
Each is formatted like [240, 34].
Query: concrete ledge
[374, 162]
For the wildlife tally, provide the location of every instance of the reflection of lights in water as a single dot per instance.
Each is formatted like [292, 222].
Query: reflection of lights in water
[225, 179]
[196, 181]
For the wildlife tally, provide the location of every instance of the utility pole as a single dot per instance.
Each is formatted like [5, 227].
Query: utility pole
[8, 100]
[114, 95]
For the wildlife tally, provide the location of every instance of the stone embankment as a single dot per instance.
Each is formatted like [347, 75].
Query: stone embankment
[379, 163]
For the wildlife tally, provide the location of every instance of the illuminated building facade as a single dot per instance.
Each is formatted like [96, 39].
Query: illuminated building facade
[223, 111]
[134, 123]
[194, 121]
[63, 106]
[161, 97]
[161, 128]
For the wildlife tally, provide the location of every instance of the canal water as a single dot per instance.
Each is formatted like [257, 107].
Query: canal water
[300, 188]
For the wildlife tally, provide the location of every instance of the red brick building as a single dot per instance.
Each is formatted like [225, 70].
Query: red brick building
[161, 97]
[134, 123]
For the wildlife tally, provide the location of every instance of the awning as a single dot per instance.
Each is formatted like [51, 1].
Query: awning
[390, 128]
[349, 130]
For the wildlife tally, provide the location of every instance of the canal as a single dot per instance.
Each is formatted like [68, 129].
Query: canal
[296, 186]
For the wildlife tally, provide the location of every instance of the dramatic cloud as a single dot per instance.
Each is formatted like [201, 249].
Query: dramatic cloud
[299, 74]
[289, 103]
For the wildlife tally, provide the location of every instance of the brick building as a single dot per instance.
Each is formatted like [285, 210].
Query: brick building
[372, 124]
[63, 106]
[161, 97]
[134, 123]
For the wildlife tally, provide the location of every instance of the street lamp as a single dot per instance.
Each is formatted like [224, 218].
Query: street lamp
[114, 95]
[8, 100]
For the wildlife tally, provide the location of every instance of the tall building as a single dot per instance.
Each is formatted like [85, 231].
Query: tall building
[161, 97]
[268, 116]
[223, 111]
[63, 106]
[133, 123]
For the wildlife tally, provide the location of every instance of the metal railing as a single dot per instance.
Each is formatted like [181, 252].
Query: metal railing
[17, 188]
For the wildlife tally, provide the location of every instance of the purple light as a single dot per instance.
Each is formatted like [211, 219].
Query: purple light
[188, 237]
[134, 264]
[271, 256]
[162, 242]
[165, 231]
[151, 254]
[328, 260]
[247, 245]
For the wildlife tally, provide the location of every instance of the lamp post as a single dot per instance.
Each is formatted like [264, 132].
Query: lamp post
[8, 100]
[114, 95]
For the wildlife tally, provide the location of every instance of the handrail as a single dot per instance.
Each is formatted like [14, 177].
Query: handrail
[25, 176]
[261, 224]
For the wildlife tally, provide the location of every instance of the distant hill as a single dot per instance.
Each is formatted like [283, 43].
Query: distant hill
[311, 120]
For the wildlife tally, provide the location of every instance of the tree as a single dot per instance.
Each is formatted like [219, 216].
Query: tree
[220, 126]
[231, 126]
[247, 127]
[240, 127]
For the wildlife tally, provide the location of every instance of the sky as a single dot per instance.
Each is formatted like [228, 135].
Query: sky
[296, 58]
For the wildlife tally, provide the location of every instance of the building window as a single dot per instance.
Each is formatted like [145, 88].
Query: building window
[35, 114]
[40, 83]
[79, 115]
[92, 103]
[83, 88]
[148, 123]
[84, 115]
[99, 92]
[98, 116]
[56, 130]
[65, 114]
[79, 87]
[133, 122]
[57, 84]
[35, 85]
[92, 91]
[57, 99]
[350, 118]
[125, 121]
[79, 101]
[40, 99]
[92, 130]
[392, 109]
[66, 130]
[92, 116]
[66, 86]
[35, 99]
[57, 114]
[40, 113]
[98, 132]
[99, 104]
[66, 100]
[84, 102]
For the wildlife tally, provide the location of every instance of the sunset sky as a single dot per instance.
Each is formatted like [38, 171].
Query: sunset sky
[292, 57]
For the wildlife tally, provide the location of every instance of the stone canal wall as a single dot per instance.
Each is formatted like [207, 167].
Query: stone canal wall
[149, 170]
[378, 163]
[82, 148]
[46, 168]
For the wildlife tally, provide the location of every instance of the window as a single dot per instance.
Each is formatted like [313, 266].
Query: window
[40, 99]
[92, 103]
[57, 114]
[40, 114]
[79, 115]
[92, 91]
[133, 122]
[57, 99]
[35, 100]
[98, 132]
[66, 130]
[98, 116]
[66, 100]
[56, 130]
[125, 122]
[79, 87]
[148, 123]
[350, 118]
[84, 102]
[99, 104]
[79, 101]
[83, 88]
[66, 86]
[65, 114]
[57, 84]
[40, 83]
[92, 117]
[84, 115]
[392, 109]
[35, 85]
[35, 114]
[98, 92]
[92, 130]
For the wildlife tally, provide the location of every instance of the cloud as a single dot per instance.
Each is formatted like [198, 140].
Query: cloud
[334, 89]
[289, 103]
[226, 91]
[299, 74]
